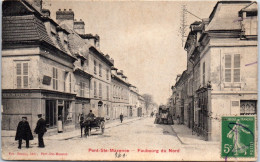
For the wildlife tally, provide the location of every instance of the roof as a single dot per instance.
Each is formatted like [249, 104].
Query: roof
[225, 15]
[23, 24]
[100, 55]
[182, 78]
[89, 36]
[250, 8]
[119, 79]
[24, 28]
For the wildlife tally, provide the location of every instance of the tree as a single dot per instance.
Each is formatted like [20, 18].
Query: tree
[148, 100]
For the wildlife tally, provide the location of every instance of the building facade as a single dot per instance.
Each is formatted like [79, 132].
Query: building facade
[223, 53]
[92, 63]
[41, 66]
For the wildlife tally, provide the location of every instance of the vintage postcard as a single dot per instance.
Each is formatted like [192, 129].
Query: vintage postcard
[123, 80]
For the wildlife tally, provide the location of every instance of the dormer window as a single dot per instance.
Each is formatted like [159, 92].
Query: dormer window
[54, 38]
[82, 62]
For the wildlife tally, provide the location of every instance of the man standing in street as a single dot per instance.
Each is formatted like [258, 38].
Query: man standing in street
[40, 130]
[121, 117]
[23, 132]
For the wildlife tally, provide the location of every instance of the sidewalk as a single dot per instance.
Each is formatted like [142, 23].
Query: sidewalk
[185, 136]
[76, 132]
[8, 138]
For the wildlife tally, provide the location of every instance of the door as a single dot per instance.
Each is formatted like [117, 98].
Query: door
[60, 113]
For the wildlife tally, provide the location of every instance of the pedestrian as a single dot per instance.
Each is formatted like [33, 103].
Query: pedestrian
[178, 119]
[40, 130]
[121, 117]
[23, 132]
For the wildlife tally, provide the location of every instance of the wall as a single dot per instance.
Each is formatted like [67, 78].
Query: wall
[9, 76]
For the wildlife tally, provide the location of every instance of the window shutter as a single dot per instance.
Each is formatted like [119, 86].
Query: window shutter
[53, 77]
[227, 68]
[83, 89]
[95, 88]
[18, 69]
[237, 61]
[236, 68]
[56, 79]
[100, 90]
[236, 75]
[19, 81]
[18, 75]
[228, 61]
[25, 75]
[25, 68]
[228, 75]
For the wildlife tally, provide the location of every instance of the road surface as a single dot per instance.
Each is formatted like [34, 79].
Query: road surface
[135, 140]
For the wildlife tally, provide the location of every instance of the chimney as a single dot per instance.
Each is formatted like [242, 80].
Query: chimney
[107, 56]
[37, 4]
[112, 60]
[65, 17]
[79, 26]
[46, 12]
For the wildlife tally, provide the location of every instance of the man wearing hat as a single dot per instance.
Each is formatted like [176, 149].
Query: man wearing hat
[40, 130]
[23, 132]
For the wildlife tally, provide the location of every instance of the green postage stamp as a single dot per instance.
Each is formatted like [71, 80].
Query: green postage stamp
[238, 137]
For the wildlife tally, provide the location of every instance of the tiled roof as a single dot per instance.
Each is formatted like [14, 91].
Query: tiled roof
[226, 17]
[77, 45]
[24, 28]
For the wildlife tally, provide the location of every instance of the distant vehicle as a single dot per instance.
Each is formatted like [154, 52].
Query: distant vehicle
[163, 116]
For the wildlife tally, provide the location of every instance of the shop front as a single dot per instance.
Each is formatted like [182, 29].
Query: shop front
[57, 108]
[59, 111]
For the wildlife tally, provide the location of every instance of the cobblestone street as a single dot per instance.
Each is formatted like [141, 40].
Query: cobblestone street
[136, 139]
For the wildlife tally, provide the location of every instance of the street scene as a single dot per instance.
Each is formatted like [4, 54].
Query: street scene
[143, 140]
[129, 80]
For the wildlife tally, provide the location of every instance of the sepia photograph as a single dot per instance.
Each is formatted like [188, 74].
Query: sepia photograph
[104, 80]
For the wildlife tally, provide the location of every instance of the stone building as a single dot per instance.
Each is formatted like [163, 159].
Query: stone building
[141, 110]
[93, 65]
[40, 68]
[133, 101]
[223, 53]
[120, 93]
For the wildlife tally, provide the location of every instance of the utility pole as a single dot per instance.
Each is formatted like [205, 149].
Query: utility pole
[183, 24]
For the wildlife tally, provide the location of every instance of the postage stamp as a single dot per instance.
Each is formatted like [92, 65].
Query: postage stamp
[238, 137]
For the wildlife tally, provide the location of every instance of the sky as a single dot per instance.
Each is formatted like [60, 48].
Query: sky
[143, 37]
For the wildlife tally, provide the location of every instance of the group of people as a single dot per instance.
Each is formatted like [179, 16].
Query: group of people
[24, 132]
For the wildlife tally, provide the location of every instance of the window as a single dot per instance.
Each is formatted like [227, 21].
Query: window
[248, 107]
[100, 70]
[70, 82]
[95, 89]
[203, 74]
[100, 90]
[64, 81]
[122, 95]
[232, 68]
[107, 93]
[50, 113]
[107, 74]
[82, 87]
[87, 60]
[55, 78]
[107, 110]
[22, 74]
[95, 67]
